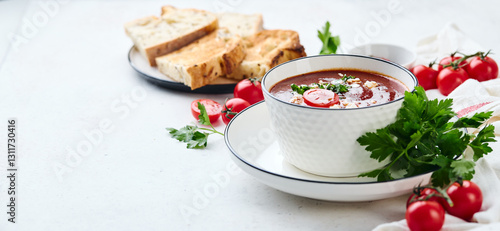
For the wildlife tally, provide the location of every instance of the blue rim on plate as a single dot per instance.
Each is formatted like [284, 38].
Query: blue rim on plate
[161, 80]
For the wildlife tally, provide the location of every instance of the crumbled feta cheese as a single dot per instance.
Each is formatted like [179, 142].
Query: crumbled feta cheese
[371, 84]
[351, 105]
[355, 80]
[354, 85]
[336, 106]
[297, 99]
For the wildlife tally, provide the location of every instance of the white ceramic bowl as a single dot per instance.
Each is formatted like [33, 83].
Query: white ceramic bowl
[394, 53]
[322, 141]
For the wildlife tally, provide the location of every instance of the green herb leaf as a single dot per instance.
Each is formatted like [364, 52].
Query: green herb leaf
[184, 134]
[192, 135]
[347, 77]
[480, 144]
[300, 89]
[330, 43]
[203, 116]
[441, 177]
[337, 88]
[199, 140]
[380, 144]
[463, 168]
[473, 122]
[424, 138]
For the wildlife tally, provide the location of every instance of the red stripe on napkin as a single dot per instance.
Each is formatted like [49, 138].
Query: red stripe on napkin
[470, 109]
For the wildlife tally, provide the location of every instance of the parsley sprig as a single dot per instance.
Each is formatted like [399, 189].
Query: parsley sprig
[423, 138]
[195, 137]
[330, 43]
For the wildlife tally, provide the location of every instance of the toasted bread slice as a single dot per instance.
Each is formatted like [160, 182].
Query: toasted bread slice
[267, 49]
[155, 37]
[244, 25]
[203, 60]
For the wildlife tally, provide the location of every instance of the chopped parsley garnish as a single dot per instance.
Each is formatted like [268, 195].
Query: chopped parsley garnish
[300, 89]
[338, 88]
[423, 138]
[347, 77]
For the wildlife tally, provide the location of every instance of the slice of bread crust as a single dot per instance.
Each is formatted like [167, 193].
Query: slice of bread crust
[267, 49]
[155, 37]
[203, 60]
[244, 25]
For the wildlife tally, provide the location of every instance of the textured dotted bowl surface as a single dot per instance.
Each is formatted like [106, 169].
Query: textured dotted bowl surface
[323, 141]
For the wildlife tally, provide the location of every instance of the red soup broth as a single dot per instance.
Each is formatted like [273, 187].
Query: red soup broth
[364, 88]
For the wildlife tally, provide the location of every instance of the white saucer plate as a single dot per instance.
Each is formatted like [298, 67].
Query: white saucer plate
[255, 150]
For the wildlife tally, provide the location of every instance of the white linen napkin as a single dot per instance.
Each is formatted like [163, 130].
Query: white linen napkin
[470, 97]
[447, 41]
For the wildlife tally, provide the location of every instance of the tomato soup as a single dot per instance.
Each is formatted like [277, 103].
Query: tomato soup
[339, 89]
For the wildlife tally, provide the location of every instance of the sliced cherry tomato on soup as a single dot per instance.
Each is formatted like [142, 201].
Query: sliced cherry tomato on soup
[213, 109]
[320, 98]
[233, 107]
[249, 90]
[425, 216]
[450, 78]
[482, 68]
[467, 199]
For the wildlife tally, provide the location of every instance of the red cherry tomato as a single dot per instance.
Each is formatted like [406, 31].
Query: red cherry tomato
[424, 195]
[320, 97]
[233, 107]
[467, 199]
[448, 79]
[447, 60]
[249, 90]
[425, 216]
[482, 69]
[426, 76]
[213, 109]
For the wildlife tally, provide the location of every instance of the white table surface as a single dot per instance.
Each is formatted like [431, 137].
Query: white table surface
[69, 75]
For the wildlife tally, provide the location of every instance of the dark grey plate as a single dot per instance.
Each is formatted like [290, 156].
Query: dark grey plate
[141, 65]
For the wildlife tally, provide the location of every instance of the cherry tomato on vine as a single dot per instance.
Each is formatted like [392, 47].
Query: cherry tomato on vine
[482, 68]
[233, 107]
[447, 60]
[426, 76]
[425, 216]
[213, 109]
[424, 194]
[320, 97]
[249, 90]
[450, 78]
[467, 199]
